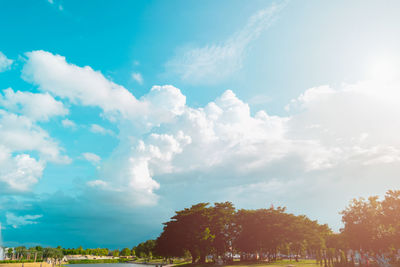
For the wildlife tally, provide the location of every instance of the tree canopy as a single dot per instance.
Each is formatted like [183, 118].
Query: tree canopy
[221, 230]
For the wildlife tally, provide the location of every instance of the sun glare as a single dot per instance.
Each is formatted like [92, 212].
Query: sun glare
[384, 68]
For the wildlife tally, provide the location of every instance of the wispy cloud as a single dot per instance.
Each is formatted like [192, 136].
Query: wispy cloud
[67, 123]
[5, 63]
[15, 221]
[137, 77]
[215, 62]
[92, 158]
[52, 2]
[95, 128]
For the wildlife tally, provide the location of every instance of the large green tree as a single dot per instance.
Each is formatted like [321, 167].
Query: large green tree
[188, 230]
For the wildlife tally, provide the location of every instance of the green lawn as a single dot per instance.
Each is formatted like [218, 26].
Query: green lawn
[160, 261]
[300, 263]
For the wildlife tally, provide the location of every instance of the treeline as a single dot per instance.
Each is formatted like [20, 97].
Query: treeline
[372, 229]
[371, 234]
[222, 231]
[38, 253]
[99, 251]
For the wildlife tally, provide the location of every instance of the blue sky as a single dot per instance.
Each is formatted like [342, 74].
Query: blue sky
[115, 114]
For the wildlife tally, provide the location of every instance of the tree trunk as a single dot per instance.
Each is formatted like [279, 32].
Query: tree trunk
[202, 258]
[194, 255]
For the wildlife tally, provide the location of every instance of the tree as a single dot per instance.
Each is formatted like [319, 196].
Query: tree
[362, 224]
[223, 228]
[80, 251]
[53, 253]
[188, 230]
[115, 253]
[126, 252]
[10, 253]
[263, 231]
[372, 227]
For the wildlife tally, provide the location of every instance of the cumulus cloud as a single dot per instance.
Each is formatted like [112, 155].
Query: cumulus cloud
[92, 158]
[19, 133]
[215, 62]
[327, 132]
[353, 121]
[80, 85]
[37, 107]
[84, 86]
[330, 131]
[5, 63]
[25, 147]
[334, 143]
[18, 173]
[16, 221]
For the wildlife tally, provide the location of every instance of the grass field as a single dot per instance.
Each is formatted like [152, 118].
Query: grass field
[282, 263]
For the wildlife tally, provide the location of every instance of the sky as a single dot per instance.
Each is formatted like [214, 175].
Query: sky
[115, 114]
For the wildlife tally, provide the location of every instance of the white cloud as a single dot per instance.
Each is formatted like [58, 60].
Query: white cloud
[216, 62]
[5, 63]
[16, 221]
[92, 158]
[19, 133]
[87, 87]
[95, 128]
[37, 107]
[137, 77]
[18, 173]
[67, 123]
[97, 183]
[330, 133]
[19, 136]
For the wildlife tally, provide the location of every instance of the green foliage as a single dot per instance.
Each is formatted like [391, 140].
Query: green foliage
[89, 251]
[126, 252]
[133, 252]
[372, 226]
[53, 253]
[188, 230]
[115, 253]
[145, 249]
[221, 230]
